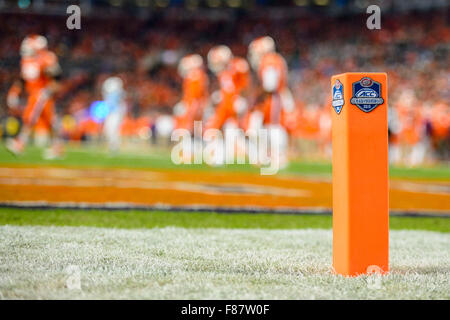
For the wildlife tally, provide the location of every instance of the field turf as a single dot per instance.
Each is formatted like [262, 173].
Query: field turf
[40, 262]
[91, 156]
[132, 254]
[135, 219]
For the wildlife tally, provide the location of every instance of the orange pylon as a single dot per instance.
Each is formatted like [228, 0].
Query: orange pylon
[360, 173]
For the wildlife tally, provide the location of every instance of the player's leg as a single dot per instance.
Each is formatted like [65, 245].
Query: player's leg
[255, 124]
[17, 145]
[52, 126]
[234, 142]
[112, 131]
[417, 155]
[394, 152]
[278, 138]
[217, 144]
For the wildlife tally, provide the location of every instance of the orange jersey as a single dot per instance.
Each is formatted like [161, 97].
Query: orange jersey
[240, 73]
[412, 125]
[273, 108]
[232, 82]
[440, 120]
[235, 78]
[195, 86]
[276, 62]
[278, 102]
[34, 70]
[195, 97]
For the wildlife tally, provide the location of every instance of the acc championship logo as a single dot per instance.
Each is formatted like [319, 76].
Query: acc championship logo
[338, 96]
[366, 94]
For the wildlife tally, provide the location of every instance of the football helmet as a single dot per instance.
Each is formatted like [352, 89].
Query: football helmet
[188, 63]
[32, 44]
[218, 58]
[258, 48]
[112, 85]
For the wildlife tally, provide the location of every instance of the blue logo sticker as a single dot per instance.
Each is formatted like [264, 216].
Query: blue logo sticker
[366, 94]
[338, 96]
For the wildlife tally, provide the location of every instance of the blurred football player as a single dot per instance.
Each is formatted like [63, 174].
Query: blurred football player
[277, 103]
[394, 129]
[114, 96]
[440, 128]
[412, 129]
[40, 71]
[194, 99]
[195, 92]
[233, 77]
[218, 59]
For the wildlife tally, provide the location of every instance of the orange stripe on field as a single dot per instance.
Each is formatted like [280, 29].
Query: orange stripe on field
[166, 187]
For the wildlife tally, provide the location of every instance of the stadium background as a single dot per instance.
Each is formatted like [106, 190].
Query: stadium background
[144, 45]
[142, 42]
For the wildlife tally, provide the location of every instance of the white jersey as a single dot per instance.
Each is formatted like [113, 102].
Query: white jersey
[116, 112]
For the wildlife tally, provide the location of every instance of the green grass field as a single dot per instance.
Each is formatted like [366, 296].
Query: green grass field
[134, 219]
[93, 156]
[40, 262]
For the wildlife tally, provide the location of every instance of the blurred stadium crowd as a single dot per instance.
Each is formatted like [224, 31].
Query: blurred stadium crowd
[412, 47]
